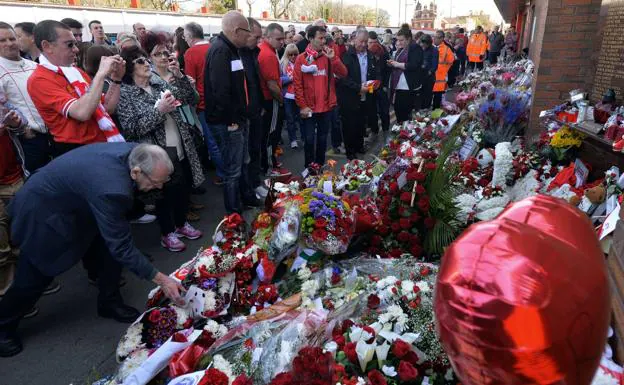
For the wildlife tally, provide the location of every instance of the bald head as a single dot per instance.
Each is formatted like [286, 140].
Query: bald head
[236, 28]
[320, 23]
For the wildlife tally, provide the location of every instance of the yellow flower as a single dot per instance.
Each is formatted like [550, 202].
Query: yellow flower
[566, 138]
[305, 208]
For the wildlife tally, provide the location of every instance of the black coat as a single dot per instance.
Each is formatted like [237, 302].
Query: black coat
[65, 205]
[413, 68]
[224, 84]
[252, 74]
[348, 90]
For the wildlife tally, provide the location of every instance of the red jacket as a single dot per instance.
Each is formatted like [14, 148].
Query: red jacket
[339, 49]
[194, 63]
[318, 91]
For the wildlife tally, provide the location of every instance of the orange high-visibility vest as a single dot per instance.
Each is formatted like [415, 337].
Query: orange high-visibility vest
[445, 61]
[477, 46]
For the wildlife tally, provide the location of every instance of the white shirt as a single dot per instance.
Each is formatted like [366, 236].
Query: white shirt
[13, 78]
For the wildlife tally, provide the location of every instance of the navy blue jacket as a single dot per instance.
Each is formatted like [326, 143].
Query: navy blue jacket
[430, 60]
[66, 204]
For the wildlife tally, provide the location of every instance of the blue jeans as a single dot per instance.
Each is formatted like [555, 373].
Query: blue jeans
[234, 154]
[336, 128]
[291, 112]
[315, 138]
[213, 149]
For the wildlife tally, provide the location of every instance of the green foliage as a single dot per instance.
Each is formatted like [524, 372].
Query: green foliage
[442, 195]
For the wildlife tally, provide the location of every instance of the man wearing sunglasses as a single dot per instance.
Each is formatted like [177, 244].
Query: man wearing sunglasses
[71, 108]
[226, 99]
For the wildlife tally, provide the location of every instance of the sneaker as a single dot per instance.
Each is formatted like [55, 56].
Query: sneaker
[278, 172]
[187, 231]
[53, 287]
[192, 216]
[261, 192]
[218, 181]
[147, 218]
[31, 313]
[171, 242]
[294, 144]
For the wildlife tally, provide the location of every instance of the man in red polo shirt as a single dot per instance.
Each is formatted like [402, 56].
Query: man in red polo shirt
[73, 119]
[273, 104]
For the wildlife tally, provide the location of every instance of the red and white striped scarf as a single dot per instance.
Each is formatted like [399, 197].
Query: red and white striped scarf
[75, 79]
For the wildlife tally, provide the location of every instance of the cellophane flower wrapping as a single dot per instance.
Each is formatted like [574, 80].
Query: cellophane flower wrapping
[286, 233]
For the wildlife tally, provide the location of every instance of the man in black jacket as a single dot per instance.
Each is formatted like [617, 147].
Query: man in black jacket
[303, 44]
[249, 56]
[227, 98]
[382, 56]
[357, 104]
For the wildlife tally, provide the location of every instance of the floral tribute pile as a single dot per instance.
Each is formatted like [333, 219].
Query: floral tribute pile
[333, 282]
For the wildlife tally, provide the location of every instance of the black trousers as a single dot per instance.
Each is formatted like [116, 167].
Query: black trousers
[453, 72]
[272, 122]
[427, 90]
[254, 168]
[437, 100]
[353, 129]
[37, 151]
[475, 65]
[172, 207]
[59, 148]
[29, 283]
[404, 104]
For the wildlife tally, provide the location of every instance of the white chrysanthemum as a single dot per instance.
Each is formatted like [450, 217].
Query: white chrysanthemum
[423, 286]
[361, 381]
[309, 288]
[466, 204]
[216, 329]
[136, 359]
[384, 283]
[181, 316]
[407, 289]
[389, 371]
[304, 273]
[503, 164]
[210, 301]
[220, 363]
[131, 341]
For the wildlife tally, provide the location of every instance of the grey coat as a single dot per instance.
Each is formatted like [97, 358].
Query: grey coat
[142, 122]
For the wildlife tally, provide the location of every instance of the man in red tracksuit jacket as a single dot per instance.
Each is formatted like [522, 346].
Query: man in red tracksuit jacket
[315, 92]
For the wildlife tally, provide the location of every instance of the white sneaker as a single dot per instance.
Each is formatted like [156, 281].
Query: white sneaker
[294, 144]
[147, 218]
[261, 192]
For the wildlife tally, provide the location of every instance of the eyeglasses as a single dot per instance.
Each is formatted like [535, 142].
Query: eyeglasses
[140, 61]
[164, 54]
[153, 182]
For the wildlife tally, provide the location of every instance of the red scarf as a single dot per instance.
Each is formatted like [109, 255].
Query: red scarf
[311, 54]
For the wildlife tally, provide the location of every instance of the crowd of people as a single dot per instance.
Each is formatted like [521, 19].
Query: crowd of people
[96, 135]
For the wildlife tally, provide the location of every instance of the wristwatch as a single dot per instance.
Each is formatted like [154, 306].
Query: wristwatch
[118, 82]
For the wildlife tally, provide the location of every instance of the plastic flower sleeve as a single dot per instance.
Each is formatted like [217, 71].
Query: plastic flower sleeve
[284, 239]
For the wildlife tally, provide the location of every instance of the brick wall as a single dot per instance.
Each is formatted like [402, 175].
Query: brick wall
[607, 61]
[564, 41]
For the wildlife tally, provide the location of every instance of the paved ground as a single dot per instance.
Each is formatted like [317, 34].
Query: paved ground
[67, 343]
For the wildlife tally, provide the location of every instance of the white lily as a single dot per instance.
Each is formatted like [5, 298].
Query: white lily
[382, 353]
[358, 334]
[365, 353]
